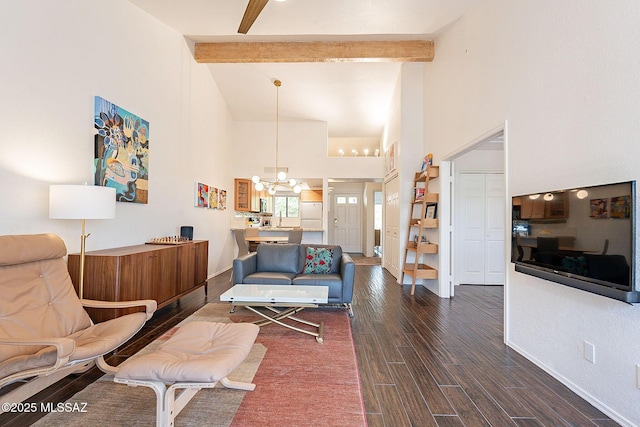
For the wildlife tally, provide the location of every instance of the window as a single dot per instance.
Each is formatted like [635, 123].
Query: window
[286, 206]
[343, 200]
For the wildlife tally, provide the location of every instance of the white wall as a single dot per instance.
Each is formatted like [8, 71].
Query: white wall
[56, 57]
[302, 148]
[403, 128]
[564, 75]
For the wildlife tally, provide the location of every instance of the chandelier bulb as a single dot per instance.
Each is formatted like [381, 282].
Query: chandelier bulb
[297, 189]
[259, 186]
[272, 190]
[282, 176]
[255, 179]
[292, 182]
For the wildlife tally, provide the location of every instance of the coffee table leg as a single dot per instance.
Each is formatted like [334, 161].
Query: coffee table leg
[320, 337]
[286, 314]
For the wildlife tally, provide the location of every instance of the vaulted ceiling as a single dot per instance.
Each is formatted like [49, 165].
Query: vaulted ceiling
[353, 97]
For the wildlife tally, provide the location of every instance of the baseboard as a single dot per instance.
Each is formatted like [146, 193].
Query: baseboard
[615, 416]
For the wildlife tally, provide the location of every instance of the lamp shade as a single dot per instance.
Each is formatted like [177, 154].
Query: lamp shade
[82, 202]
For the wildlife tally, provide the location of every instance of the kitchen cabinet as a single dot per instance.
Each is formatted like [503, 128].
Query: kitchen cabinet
[162, 273]
[247, 198]
[557, 208]
[532, 208]
[311, 196]
[539, 208]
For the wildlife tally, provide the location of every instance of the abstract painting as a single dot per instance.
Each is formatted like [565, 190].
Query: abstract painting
[598, 208]
[222, 200]
[121, 158]
[621, 207]
[208, 196]
[213, 198]
[202, 195]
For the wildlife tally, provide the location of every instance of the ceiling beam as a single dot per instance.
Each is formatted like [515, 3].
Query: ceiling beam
[345, 51]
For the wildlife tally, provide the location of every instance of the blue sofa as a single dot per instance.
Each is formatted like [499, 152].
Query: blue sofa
[284, 264]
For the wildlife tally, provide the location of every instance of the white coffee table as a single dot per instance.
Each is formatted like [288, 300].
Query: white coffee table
[291, 298]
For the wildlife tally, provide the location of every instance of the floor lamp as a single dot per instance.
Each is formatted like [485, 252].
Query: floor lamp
[82, 202]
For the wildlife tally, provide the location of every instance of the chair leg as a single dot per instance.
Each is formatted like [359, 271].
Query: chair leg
[168, 406]
[350, 308]
[105, 367]
[237, 384]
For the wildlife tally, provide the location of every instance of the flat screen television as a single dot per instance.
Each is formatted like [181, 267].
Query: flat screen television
[582, 237]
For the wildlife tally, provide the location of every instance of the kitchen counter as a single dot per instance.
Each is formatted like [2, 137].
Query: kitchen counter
[281, 229]
[309, 235]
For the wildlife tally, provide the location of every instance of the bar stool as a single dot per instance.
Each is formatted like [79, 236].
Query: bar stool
[251, 232]
[295, 236]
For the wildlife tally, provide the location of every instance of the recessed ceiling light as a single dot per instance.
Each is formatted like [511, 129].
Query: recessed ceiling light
[582, 194]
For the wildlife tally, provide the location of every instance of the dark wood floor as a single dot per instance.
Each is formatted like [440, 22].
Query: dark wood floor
[424, 361]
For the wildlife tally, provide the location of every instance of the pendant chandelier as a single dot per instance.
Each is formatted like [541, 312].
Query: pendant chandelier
[280, 175]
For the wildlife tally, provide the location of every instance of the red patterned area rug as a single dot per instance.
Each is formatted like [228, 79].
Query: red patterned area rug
[303, 383]
[298, 382]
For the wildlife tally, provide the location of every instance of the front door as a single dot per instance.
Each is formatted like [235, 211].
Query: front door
[347, 222]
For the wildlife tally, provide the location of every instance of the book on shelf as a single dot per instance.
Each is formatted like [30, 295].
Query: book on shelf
[418, 194]
[431, 211]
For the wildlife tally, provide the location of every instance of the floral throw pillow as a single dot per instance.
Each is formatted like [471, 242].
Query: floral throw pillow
[318, 260]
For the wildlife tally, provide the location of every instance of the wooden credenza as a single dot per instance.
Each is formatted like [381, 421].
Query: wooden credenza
[160, 272]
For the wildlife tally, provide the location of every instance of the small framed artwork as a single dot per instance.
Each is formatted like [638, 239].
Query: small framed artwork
[599, 208]
[620, 207]
[431, 211]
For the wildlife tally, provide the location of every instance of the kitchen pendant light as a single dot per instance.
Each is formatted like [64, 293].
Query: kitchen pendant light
[280, 175]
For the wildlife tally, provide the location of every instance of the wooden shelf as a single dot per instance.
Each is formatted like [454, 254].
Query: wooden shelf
[422, 272]
[423, 248]
[427, 223]
[428, 198]
[433, 171]
[422, 198]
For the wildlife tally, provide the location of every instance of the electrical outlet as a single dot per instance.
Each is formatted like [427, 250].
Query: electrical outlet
[589, 352]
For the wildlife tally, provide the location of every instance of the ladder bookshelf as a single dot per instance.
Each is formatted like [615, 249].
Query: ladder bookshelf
[418, 224]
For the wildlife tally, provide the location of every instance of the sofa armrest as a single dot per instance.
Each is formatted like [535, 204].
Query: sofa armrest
[149, 304]
[243, 266]
[347, 272]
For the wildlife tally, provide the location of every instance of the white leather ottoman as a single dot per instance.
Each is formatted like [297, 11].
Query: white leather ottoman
[198, 355]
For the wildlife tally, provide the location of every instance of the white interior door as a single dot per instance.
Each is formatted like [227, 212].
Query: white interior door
[391, 221]
[494, 229]
[347, 222]
[480, 223]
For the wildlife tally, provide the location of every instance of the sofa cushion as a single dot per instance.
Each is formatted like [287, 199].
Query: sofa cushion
[318, 260]
[278, 257]
[333, 281]
[269, 278]
[336, 259]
